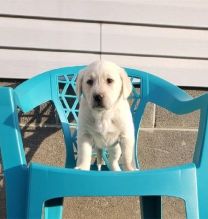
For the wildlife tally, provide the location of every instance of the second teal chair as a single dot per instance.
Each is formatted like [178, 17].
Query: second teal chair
[30, 187]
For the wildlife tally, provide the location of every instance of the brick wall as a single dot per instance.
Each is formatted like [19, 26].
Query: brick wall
[165, 140]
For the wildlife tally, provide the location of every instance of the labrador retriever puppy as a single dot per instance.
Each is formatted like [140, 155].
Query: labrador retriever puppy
[105, 119]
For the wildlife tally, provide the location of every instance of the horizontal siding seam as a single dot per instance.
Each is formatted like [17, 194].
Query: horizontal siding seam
[98, 21]
[102, 53]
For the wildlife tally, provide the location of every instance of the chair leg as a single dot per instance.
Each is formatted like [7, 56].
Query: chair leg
[34, 210]
[151, 207]
[192, 210]
[53, 208]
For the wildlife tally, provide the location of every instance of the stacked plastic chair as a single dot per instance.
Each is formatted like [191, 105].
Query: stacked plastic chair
[32, 187]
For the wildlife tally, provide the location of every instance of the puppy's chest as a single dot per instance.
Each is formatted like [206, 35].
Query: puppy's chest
[105, 127]
[106, 132]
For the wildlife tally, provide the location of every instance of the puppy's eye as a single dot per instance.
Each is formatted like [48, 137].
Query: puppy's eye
[90, 82]
[109, 80]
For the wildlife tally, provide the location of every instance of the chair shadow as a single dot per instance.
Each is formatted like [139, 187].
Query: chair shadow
[40, 123]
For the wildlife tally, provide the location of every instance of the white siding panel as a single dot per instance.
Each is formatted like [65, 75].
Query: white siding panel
[49, 34]
[154, 41]
[181, 72]
[25, 64]
[163, 12]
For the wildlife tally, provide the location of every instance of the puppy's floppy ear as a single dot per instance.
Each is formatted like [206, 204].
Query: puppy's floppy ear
[126, 84]
[79, 80]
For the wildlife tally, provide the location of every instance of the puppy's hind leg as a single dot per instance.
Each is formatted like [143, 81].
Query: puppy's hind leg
[99, 158]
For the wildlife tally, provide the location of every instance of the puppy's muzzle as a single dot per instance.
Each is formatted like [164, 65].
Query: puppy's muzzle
[98, 100]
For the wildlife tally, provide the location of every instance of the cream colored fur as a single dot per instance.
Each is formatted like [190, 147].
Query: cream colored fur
[109, 125]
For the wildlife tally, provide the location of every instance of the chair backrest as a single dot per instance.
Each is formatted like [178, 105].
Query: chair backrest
[59, 85]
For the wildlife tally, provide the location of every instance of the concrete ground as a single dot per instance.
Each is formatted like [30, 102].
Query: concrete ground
[165, 140]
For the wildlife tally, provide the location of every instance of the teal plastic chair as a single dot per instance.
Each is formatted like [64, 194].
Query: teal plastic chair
[32, 187]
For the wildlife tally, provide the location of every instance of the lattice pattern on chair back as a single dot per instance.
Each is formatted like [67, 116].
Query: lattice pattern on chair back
[70, 103]
[135, 96]
[68, 98]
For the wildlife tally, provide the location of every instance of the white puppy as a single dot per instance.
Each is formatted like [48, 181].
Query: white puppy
[105, 119]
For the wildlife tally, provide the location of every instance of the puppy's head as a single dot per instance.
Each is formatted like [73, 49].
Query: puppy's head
[102, 83]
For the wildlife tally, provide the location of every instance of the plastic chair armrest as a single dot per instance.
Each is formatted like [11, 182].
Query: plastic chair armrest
[175, 99]
[188, 106]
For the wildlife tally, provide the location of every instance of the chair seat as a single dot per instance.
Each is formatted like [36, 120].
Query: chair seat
[93, 183]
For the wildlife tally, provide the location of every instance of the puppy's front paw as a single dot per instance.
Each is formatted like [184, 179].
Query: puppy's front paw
[82, 168]
[129, 167]
[115, 167]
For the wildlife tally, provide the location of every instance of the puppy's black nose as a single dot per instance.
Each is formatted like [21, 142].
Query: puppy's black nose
[98, 98]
